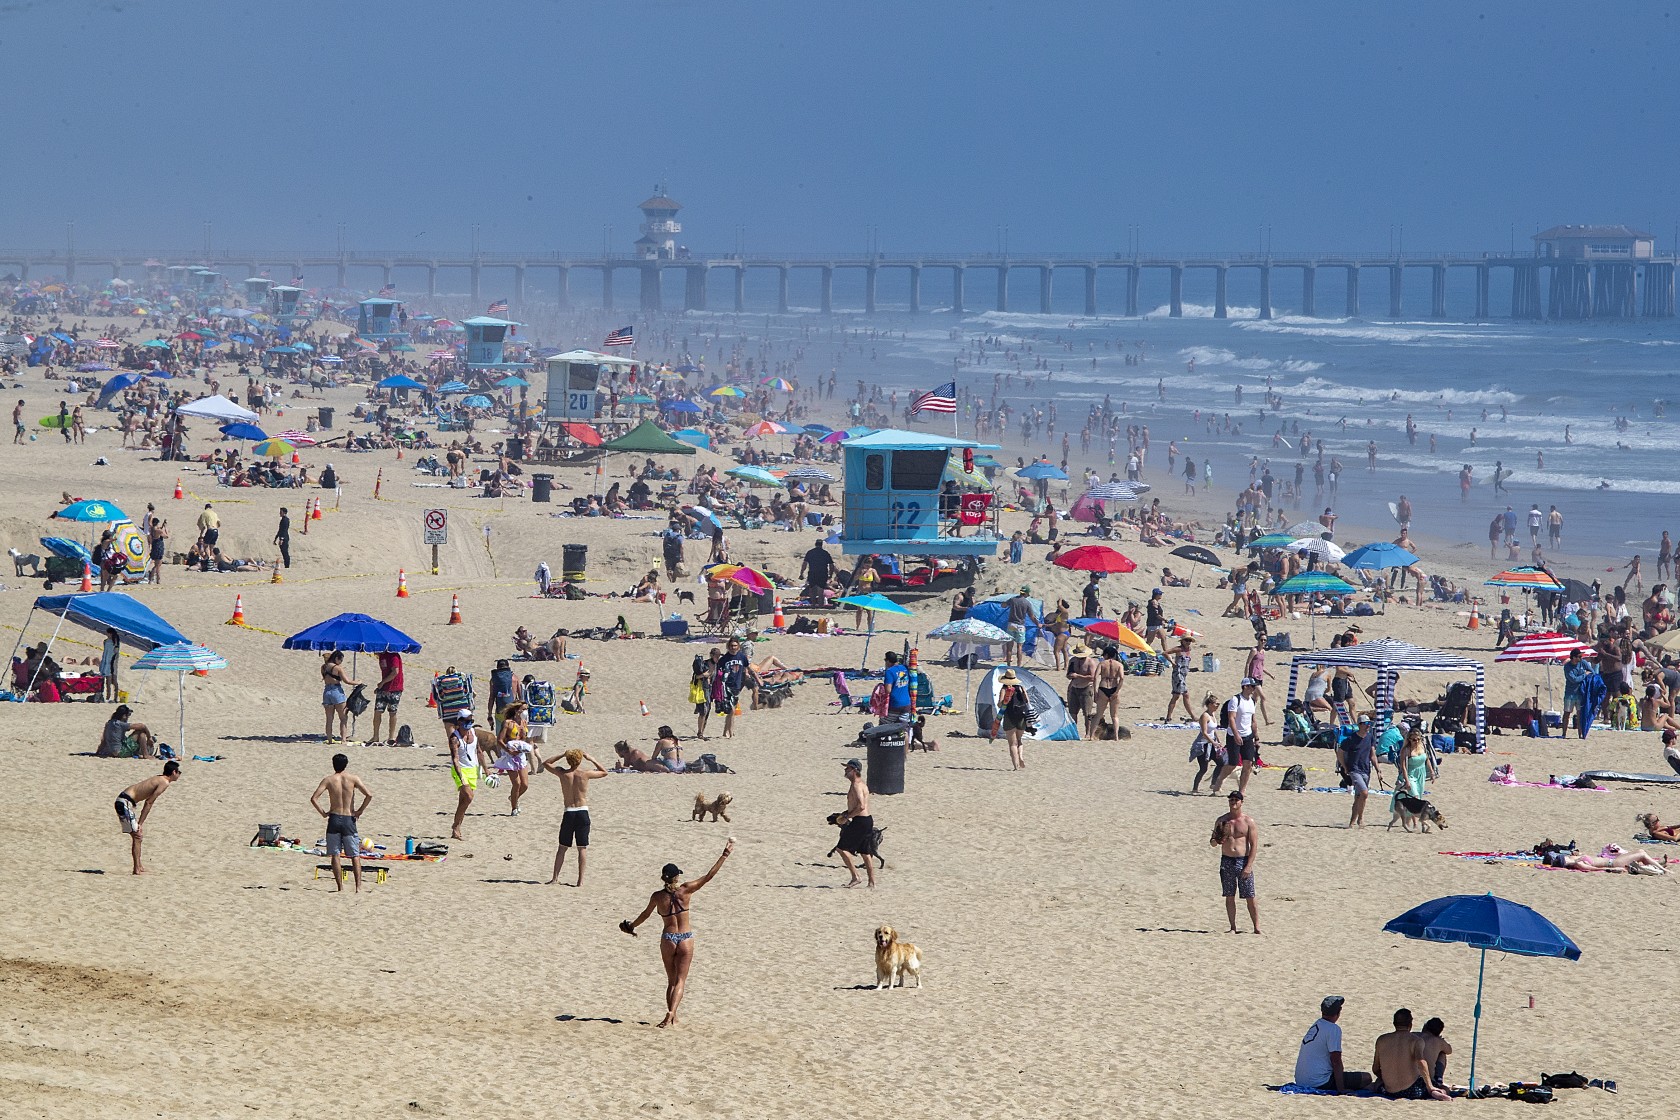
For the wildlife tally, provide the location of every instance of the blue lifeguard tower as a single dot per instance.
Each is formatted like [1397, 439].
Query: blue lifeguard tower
[376, 320]
[256, 291]
[283, 303]
[485, 338]
[204, 280]
[892, 501]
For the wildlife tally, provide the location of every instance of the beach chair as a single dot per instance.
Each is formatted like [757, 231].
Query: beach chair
[846, 700]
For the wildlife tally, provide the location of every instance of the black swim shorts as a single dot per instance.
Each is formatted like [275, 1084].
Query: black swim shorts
[574, 828]
[857, 836]
[1234, 877]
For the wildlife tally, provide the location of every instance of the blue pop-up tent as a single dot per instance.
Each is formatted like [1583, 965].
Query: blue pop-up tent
[137, 626]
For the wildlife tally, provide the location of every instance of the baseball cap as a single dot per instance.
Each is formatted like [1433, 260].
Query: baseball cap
[464, 713]
[1155, 592]
[670, 871]
[1365, 717]
[1026, 589]
[1329, 1005]
[854, 764]
[1248, 682]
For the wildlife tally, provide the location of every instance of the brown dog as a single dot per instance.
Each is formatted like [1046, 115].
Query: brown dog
[717, 806]
[894, 959]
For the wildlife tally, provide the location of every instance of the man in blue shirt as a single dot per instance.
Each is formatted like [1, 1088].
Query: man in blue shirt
[898, 687]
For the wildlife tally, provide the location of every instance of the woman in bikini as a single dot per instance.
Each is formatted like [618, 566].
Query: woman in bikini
[1111, 674]
[1658, 830]
[676, 943]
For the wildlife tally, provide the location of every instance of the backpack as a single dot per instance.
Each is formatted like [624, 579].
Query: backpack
[452, 692]
[1225, 713]
[1563, 1081]
[1294, 778]
[1017, 705]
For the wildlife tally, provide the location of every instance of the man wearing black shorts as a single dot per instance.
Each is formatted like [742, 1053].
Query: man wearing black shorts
[1238, 839]
[857, 827]
[574, 825]
[1242, 745]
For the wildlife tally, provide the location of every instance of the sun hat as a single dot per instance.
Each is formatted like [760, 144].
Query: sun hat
[1009, 677]
[1082, 650]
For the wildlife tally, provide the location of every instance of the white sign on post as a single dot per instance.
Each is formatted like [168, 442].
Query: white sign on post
[436, 523]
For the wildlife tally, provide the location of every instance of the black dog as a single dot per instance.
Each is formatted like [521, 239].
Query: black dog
[1409, 809]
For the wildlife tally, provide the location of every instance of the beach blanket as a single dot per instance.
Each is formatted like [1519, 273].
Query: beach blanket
[1292, 1089]
[1652, 840]
[1490, 857]
[1157, 725]
[320, 851]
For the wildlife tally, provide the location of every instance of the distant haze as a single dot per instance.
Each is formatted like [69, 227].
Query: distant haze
[801, 127]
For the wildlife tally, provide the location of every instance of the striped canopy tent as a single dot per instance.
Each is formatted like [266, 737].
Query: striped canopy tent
[1389, 657]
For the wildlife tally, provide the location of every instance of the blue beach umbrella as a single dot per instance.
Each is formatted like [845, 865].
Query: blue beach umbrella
[454, 387]
[477, 400]
[756, 475]
[681, 406]
[1314, 583]
[241, 430]
[1040, 470]
[91, 511]
[358, 633]
[1377, 555]
[694, 436]
[1484, 921]
[512, 382]
[398, 381]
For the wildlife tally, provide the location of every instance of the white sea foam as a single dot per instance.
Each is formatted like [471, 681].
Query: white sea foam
[1202, 311]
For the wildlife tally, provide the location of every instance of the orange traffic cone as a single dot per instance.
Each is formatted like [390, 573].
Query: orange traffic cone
[295, 459]
[399, 454]
[642, 704]
[276, 578]
[402, 584]
[454, 609]
[1475, 618]
[777, 621]
[238, 618]
[316, 516]
[178, 493]
[87, 577]
[431, 695]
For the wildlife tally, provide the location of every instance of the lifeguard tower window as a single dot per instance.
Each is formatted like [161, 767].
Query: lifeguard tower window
[918, 470]
[874, 472]
[494, 334]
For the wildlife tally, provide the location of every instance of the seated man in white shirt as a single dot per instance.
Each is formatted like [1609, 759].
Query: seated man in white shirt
[1318, 1065]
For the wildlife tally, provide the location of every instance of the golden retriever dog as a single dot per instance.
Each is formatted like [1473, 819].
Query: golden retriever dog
[895, 959]
[717, 806]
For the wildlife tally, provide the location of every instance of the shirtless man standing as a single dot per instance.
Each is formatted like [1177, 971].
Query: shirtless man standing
[1238, 839]
[1111, 674]
[857, 827]
[574, 824]
[1398, 1067]
[145, 795]
[342, 814]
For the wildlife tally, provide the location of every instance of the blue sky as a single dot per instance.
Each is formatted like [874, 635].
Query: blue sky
[923, 125]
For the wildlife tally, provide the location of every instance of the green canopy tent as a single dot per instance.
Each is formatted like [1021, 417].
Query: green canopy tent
[647, 438]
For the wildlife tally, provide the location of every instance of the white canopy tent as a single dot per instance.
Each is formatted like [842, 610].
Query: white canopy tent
[219, 409]
[1389, 657]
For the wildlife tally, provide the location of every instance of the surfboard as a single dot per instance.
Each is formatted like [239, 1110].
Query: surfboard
[1394, 510]
[54, 421]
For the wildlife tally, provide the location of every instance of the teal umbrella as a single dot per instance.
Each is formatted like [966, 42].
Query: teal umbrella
[1273, 540]
[872, 602]
[1314, 583]
[756, 475]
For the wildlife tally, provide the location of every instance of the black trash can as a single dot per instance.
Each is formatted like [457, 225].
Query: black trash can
[325, 415]
[515, 449]
[574, 561]
[886, 746]
[542, 485]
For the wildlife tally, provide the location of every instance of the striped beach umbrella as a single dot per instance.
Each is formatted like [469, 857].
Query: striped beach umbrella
[1545, 648]
[273, 448]
[781, 383]
[1273, 540]
[970, 633]
[180, 658]
[1525, 579]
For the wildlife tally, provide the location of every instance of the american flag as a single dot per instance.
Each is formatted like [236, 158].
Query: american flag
[498, 308]
[941, 398]
[387, 291]
[623, 336]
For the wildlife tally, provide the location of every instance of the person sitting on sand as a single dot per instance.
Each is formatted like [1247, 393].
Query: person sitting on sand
[1170, 580]
[629, 758]
[1658, 830]
[1613, 858]
[522, 644]
[647, 590]
[668, 752]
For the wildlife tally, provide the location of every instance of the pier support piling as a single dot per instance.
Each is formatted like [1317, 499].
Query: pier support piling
[1221, 307]
[1309, 290]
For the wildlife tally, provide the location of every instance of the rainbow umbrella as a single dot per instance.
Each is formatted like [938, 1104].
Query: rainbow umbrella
[781, 383]
[1525, 579]
[273, 448]
[726, 391]
[750, 578]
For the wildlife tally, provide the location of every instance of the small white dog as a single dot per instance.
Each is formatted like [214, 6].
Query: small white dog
[21, 561]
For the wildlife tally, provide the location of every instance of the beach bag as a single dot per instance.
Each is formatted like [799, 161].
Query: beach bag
[1294, 779]
[358, 701]
[696, 691]
[405, 736]
[430, 848]
[1531, 1094]
[1562, 1081]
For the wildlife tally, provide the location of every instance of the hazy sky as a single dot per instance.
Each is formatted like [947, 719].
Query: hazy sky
[804, 127]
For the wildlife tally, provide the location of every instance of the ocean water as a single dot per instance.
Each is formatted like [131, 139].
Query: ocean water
[1516, 387]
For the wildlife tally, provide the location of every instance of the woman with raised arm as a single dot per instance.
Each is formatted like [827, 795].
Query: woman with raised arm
[676, 942]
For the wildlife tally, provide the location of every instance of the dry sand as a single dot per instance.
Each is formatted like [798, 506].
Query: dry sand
[1070, 917]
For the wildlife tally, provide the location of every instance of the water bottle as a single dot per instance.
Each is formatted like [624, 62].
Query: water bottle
[408, 846]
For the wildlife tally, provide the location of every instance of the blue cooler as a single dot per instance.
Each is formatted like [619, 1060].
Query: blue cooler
[674, 627]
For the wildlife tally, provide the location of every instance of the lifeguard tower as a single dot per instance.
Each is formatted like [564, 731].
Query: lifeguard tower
[283, 303]
[893, 490]
[659, 228]
[485, 339]
[204, 280]
[256, 291]
[377, 320]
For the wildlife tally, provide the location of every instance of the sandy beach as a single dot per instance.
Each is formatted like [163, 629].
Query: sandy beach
[1077, 962]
